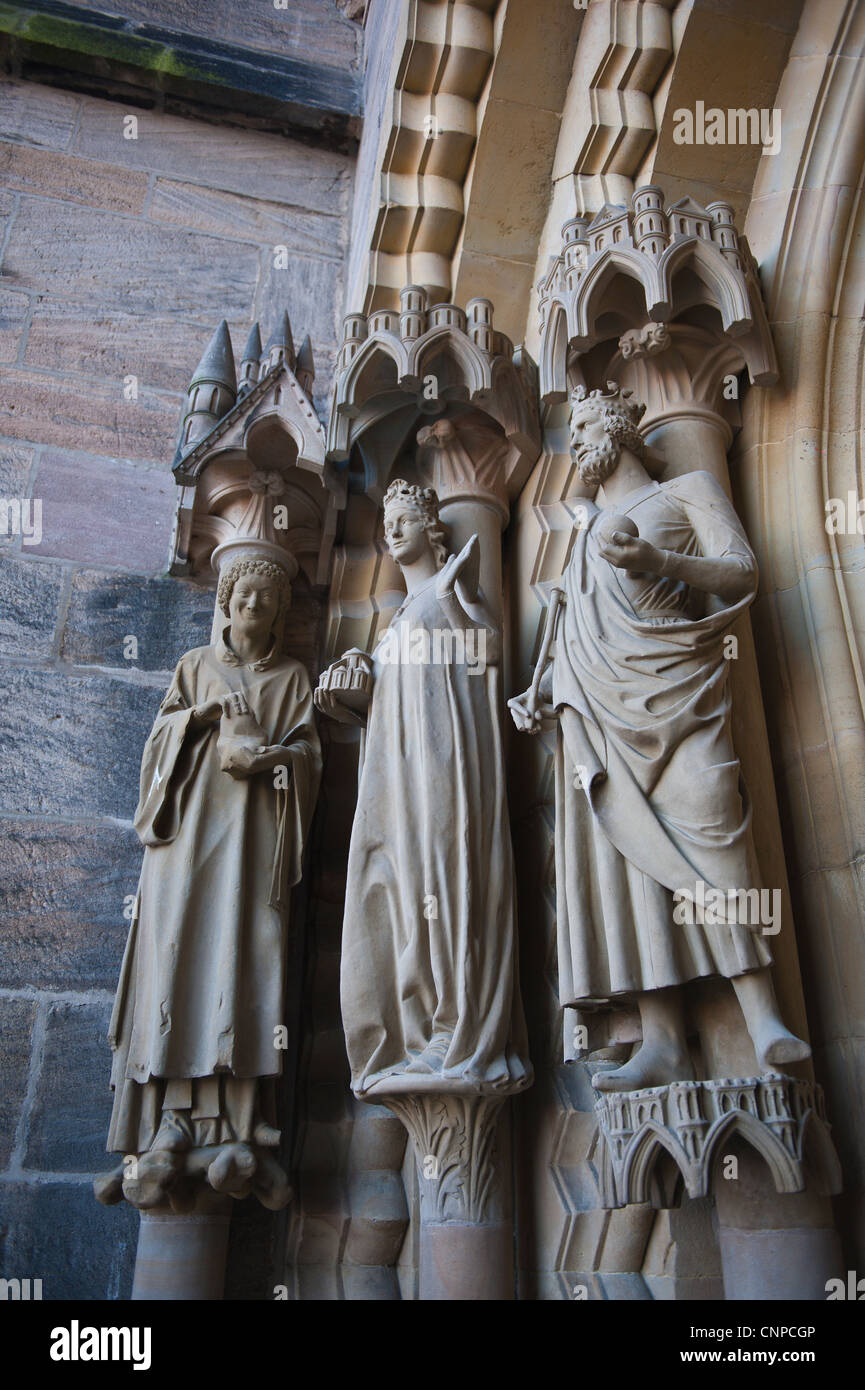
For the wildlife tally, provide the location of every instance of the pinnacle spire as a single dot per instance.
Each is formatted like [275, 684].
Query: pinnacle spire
[281, 339]
[217, 363]
[305, 366]
[252, 351]
[250, 360]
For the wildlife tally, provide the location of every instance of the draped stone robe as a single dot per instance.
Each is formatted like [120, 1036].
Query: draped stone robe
[429, 937]
[201, 986]
[640, 679]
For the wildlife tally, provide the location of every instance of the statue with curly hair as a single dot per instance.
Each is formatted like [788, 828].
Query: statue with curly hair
[229, 779]
[429, 994]
[652, 815]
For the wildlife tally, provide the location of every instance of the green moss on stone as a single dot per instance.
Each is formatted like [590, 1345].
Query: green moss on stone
[117, 47]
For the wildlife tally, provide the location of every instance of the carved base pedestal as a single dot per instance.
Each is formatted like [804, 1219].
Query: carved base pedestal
[744, 1141]
[466, 1241]
[177, 1180]
[650, 1137]
[185, 1199]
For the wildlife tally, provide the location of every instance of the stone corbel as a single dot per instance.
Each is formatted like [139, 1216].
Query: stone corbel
[689, 1123]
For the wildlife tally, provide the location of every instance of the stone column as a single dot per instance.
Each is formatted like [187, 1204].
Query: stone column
[466, 1241]
[478, 437]
[181, 1257]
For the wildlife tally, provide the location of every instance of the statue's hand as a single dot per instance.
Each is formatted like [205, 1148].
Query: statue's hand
[466, 567]
[208, 713]
[529, 713]
[242, 761]
[344, 690]
[631, 553]
[234, 705]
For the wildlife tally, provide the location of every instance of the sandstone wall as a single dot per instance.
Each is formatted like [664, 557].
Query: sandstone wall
[119, 257]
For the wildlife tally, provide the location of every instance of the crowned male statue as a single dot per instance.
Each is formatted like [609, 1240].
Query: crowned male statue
[658, 575]
[229, 779]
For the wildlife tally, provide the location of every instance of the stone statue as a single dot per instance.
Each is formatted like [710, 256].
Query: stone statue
[229, 779]
[654, 894]
[429, 993]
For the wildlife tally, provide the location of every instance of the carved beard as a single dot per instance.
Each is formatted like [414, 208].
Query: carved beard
[596, 463]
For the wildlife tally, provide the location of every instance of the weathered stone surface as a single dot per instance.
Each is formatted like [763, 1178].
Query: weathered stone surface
[65, 336]
[58, 1233]
[101, 259]
[314, 28]
[262, 165]
[8, 202]
[101, 512]
[15, 465]
[87, 415]
[36, 115]
[64, 888]
[73, 1098]
[16, 1030]
[165, 616]
[29, 594]
[72, 744]
[14, 308]
[31, 170]
[312, 287]
[304, 232]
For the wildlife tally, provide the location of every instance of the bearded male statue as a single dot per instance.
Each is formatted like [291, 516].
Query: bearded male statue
[658, 575]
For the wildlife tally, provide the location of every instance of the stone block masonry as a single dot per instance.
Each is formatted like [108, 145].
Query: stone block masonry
[118, 257]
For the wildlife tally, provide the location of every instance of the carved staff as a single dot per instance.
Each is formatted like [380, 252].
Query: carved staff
[557, 598]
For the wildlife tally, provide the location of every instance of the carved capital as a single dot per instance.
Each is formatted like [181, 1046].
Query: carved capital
[647, 341]
[454, 1138]
[688, 1122]
[467, 461]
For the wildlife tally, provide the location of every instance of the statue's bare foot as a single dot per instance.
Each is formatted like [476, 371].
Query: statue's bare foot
[655, 1064]
[777, 1046]
[266, 1136]
[150, 1179]
[232, 1170]
[108, 1187]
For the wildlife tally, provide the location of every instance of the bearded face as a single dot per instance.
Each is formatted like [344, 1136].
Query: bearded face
[595, 451]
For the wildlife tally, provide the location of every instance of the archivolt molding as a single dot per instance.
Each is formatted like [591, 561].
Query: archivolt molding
[690, 1120]
[445, 52]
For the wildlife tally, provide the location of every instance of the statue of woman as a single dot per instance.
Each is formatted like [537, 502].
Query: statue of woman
[229, 778]
[429, 993]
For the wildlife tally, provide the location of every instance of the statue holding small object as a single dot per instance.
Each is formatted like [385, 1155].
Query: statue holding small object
[658, 574]
[229, 779]
[430, 1000]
